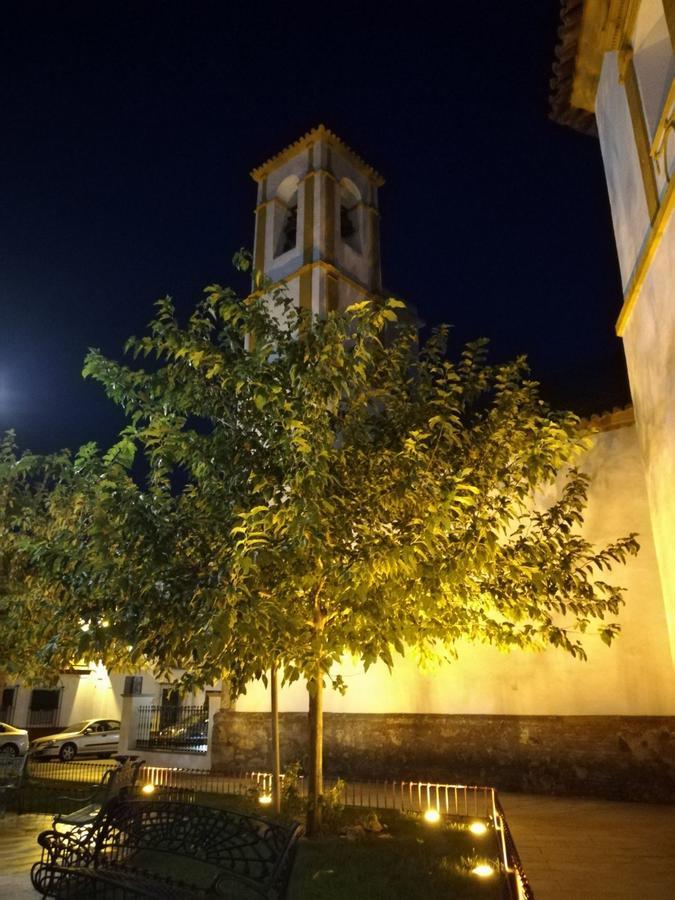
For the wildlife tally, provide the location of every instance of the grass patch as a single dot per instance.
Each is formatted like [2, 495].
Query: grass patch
[414, 860]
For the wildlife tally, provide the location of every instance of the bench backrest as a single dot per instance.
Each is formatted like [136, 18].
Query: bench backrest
[122, 778]
[245, 848]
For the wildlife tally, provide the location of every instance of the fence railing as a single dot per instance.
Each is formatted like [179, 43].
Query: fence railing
[469, 801]
[77, 770]
[523, 890]
[179, 729]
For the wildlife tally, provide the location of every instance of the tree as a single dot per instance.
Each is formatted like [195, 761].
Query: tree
[317, 486]
[30, 486]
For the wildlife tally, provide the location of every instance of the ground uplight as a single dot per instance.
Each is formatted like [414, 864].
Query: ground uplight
[265, 799]
[148, 789]
[432, 816]
[477, 828]
[483, 870]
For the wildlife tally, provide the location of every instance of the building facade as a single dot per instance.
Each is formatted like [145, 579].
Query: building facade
[615, 76]
[536, 721]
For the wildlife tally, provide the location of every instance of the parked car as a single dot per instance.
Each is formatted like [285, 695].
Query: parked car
[92, 737]
[13, 741]
[190, 734]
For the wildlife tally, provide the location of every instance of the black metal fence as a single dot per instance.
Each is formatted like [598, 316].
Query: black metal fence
[520, 882]
[77, 770]
[178, 729]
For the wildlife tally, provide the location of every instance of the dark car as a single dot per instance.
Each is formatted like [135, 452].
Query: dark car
[190, 735]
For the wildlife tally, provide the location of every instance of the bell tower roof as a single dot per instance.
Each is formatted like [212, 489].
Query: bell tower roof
[320, 133]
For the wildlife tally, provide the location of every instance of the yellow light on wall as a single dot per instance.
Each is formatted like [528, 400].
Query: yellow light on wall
[432, 816]
[477, 828]
[265, 799]
[483, 870]
[148, 789]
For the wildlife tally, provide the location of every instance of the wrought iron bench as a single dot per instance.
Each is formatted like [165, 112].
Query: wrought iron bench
[169, 850]
[115, 782]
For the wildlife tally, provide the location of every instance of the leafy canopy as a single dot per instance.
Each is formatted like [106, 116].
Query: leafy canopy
[290, 488]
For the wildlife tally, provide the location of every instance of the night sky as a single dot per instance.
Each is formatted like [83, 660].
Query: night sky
[129, 130]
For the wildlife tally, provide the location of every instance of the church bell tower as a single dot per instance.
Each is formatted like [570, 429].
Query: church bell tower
[317, 223]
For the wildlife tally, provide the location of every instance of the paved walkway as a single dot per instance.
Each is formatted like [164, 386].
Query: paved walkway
[594, 849]
[18, 852]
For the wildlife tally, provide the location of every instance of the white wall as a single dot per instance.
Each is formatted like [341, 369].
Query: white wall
[649, 336]
[83, 697]
[649, 342]
[97, 695]
[633, 677]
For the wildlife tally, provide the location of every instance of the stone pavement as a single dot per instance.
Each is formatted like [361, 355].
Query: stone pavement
[18, 851]
[581, 849]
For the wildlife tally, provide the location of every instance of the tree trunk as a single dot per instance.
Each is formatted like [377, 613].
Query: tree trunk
[315, 754]
[225, 693]
[276, 758]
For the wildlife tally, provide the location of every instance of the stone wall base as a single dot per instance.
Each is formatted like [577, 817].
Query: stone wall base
[614, 757]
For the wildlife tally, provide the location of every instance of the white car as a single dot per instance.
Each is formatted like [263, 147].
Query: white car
[93, 737]
[13, 741]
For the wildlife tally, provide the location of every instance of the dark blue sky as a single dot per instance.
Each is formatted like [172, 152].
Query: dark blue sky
[129, 130]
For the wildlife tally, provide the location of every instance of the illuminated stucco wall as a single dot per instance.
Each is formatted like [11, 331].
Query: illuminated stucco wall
[649, 335]
[632, 677]
[649, 342]
[95, 695]
[83, 697]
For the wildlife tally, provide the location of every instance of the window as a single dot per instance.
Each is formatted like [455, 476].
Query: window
[289, 232]
[44, 706]
[7, 705]
[350, 210]
[286, 216]
[133, 685]
[347, 227]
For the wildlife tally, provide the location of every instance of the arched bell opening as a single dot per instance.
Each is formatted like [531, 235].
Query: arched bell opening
[287, 211]
[350, 214]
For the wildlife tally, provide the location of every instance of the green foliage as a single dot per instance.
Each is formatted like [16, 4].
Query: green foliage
[333, 803]
[290, 786]
[310, 488]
